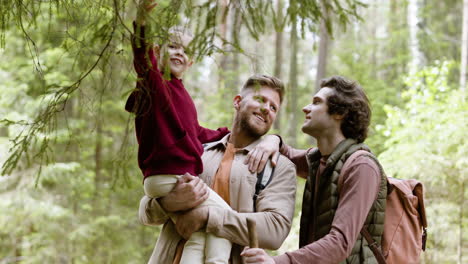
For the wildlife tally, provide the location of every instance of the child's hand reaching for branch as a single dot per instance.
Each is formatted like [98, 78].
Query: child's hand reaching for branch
[143, 9]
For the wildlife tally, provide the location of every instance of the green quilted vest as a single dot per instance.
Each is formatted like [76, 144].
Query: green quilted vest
[321, 211]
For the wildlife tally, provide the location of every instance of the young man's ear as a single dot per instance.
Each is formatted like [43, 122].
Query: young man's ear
[237, 100]
[338, 116]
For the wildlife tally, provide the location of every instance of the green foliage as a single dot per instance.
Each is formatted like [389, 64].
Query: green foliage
[440, 41]
[91, 40]
[425, 142]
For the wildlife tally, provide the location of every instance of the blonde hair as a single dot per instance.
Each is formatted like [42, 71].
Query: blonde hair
[180, 30]
[265, 80]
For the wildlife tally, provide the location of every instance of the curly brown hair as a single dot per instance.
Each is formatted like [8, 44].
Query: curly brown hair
[350, 101]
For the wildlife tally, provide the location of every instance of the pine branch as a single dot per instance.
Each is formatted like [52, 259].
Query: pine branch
[28, 138]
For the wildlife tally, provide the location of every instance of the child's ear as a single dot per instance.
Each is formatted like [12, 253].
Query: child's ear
[157, 52]
[190, 63]
[156, 48]
[237, 100]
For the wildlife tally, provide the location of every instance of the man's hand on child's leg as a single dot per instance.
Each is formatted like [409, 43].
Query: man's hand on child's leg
[192, 221]
[189, 192]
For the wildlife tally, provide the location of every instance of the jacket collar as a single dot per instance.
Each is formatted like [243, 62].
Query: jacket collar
[222, 143]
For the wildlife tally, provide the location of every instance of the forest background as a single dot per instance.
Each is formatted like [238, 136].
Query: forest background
[71, 185]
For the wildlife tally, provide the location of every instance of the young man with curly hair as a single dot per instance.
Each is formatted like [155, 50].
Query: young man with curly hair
[345, 189]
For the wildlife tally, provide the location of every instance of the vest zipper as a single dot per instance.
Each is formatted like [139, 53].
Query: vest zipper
[314, 210]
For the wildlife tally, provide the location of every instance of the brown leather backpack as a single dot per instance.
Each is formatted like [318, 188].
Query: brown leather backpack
[405, 225]
[405, 222]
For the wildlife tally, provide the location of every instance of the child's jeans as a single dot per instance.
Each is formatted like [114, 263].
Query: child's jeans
[202, 247]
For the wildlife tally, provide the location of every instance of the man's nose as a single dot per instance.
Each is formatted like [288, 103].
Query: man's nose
[265, 108]
[306, 109]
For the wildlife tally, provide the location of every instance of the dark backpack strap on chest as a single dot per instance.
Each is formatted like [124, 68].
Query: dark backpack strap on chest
[263, 179]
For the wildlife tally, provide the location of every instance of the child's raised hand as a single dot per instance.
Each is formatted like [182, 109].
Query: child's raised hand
[143, 8]
[150, 5]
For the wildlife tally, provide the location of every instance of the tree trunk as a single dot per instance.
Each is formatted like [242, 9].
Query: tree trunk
[323, 52]
[223, 70]
[233, 83]
[279, 55]
[395, 46]
[293, 85]
[464, 47]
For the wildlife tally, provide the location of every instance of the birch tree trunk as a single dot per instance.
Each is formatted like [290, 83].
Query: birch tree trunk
[417, 57]
[464, 47]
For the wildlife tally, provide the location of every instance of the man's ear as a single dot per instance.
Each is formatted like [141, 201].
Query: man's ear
[237, 100]
[338, 116]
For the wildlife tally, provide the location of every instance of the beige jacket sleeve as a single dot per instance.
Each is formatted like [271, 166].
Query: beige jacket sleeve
[275, 211]
[151, 213]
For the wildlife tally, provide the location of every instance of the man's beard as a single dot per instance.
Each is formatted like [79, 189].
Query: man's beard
[249, 129]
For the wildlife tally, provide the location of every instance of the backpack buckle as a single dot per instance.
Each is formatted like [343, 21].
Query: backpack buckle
[424, 238]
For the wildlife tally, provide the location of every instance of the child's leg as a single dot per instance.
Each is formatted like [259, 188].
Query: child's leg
[201, 247]
[216, 250]
[159, 185]
[194, 249]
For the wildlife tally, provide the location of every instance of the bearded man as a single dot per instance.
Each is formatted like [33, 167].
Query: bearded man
[225, 170]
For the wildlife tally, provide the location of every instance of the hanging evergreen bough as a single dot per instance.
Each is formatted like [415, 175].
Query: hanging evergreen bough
[35, 133]
[88, 30]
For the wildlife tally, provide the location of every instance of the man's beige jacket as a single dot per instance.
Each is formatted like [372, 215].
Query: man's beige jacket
[275, 206]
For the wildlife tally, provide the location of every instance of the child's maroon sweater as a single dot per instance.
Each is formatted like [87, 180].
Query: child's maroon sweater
[169, 136]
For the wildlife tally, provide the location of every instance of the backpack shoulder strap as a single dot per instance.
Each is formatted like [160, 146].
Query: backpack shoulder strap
[373, 245]
[350, 158]
[263, 179]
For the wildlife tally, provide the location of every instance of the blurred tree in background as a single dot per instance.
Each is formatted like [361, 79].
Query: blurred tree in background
[71, 183]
